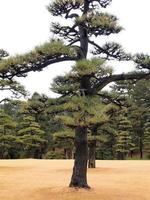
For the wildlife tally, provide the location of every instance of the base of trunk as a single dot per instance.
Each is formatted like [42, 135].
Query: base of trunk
[79, 175]
[79, 184]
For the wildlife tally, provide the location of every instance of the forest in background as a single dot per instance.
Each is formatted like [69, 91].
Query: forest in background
[36, 128]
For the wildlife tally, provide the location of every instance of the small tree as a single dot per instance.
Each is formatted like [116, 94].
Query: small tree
[123, 138]
[32, 136]
[146, 140]
[8, 139]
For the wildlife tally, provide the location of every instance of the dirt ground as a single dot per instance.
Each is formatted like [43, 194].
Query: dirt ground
[48, 180]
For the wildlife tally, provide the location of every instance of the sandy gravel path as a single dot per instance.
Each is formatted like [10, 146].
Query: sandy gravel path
[48, 180]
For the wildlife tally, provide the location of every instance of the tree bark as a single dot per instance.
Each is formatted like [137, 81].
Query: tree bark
[79, 176]
[141, 148]
[141, 153]
[92, 151]
[131, 154]
[68, 153]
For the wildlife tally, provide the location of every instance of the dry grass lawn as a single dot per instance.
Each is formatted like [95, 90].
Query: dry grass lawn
[48, 180]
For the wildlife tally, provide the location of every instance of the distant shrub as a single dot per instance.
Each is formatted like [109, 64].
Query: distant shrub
[54, 155]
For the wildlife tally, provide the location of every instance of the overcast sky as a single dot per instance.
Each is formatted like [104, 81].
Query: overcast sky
[26, 23]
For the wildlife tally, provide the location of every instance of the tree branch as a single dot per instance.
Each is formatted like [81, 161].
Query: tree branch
[22, 70]
[111, 50]
[3, 100]
[118, 77]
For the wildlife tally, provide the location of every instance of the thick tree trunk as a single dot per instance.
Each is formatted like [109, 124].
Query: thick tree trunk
[79, 176]
[92, 151]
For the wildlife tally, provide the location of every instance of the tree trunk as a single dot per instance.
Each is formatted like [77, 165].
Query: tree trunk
[131, 154]
[102, 155]
[141, 154]
[141, 148]
[68, 153]
[79, 176]
[73, 156]
[92, 151]
[120, 156]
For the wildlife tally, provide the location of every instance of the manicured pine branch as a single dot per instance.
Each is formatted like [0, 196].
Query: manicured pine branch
[111, 51]
[52, 52]
[118, 77]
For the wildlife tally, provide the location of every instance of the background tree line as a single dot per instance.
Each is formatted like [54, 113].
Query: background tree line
[37, 128]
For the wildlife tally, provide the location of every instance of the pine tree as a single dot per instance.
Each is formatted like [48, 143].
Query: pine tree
[95, 113]
[36, 107]
[9, 142]
[87, 22]
[123, 138]
[32, 137]
[146, 140]
[137, 95]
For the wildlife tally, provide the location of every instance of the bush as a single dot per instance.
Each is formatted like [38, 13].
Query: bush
[54, 155]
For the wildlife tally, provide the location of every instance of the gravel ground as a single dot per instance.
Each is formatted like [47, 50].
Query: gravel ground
[48, 180]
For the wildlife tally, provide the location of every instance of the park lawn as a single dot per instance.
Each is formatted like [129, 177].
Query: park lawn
[48, 180]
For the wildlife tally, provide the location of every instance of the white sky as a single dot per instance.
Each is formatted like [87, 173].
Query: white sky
[26, 23]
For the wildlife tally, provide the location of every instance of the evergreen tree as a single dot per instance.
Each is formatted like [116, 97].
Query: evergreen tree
[146, 140]
[137, 95]
[37, 107]
[88, 22]
[32, 137]
[9, 143]
[123, 138]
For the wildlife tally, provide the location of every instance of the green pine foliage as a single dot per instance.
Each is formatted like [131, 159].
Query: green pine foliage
[146, 140]
[9, 142]
[32, 137]
[123, 138]
[32, 61]
[136, 96]
[10, 85]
